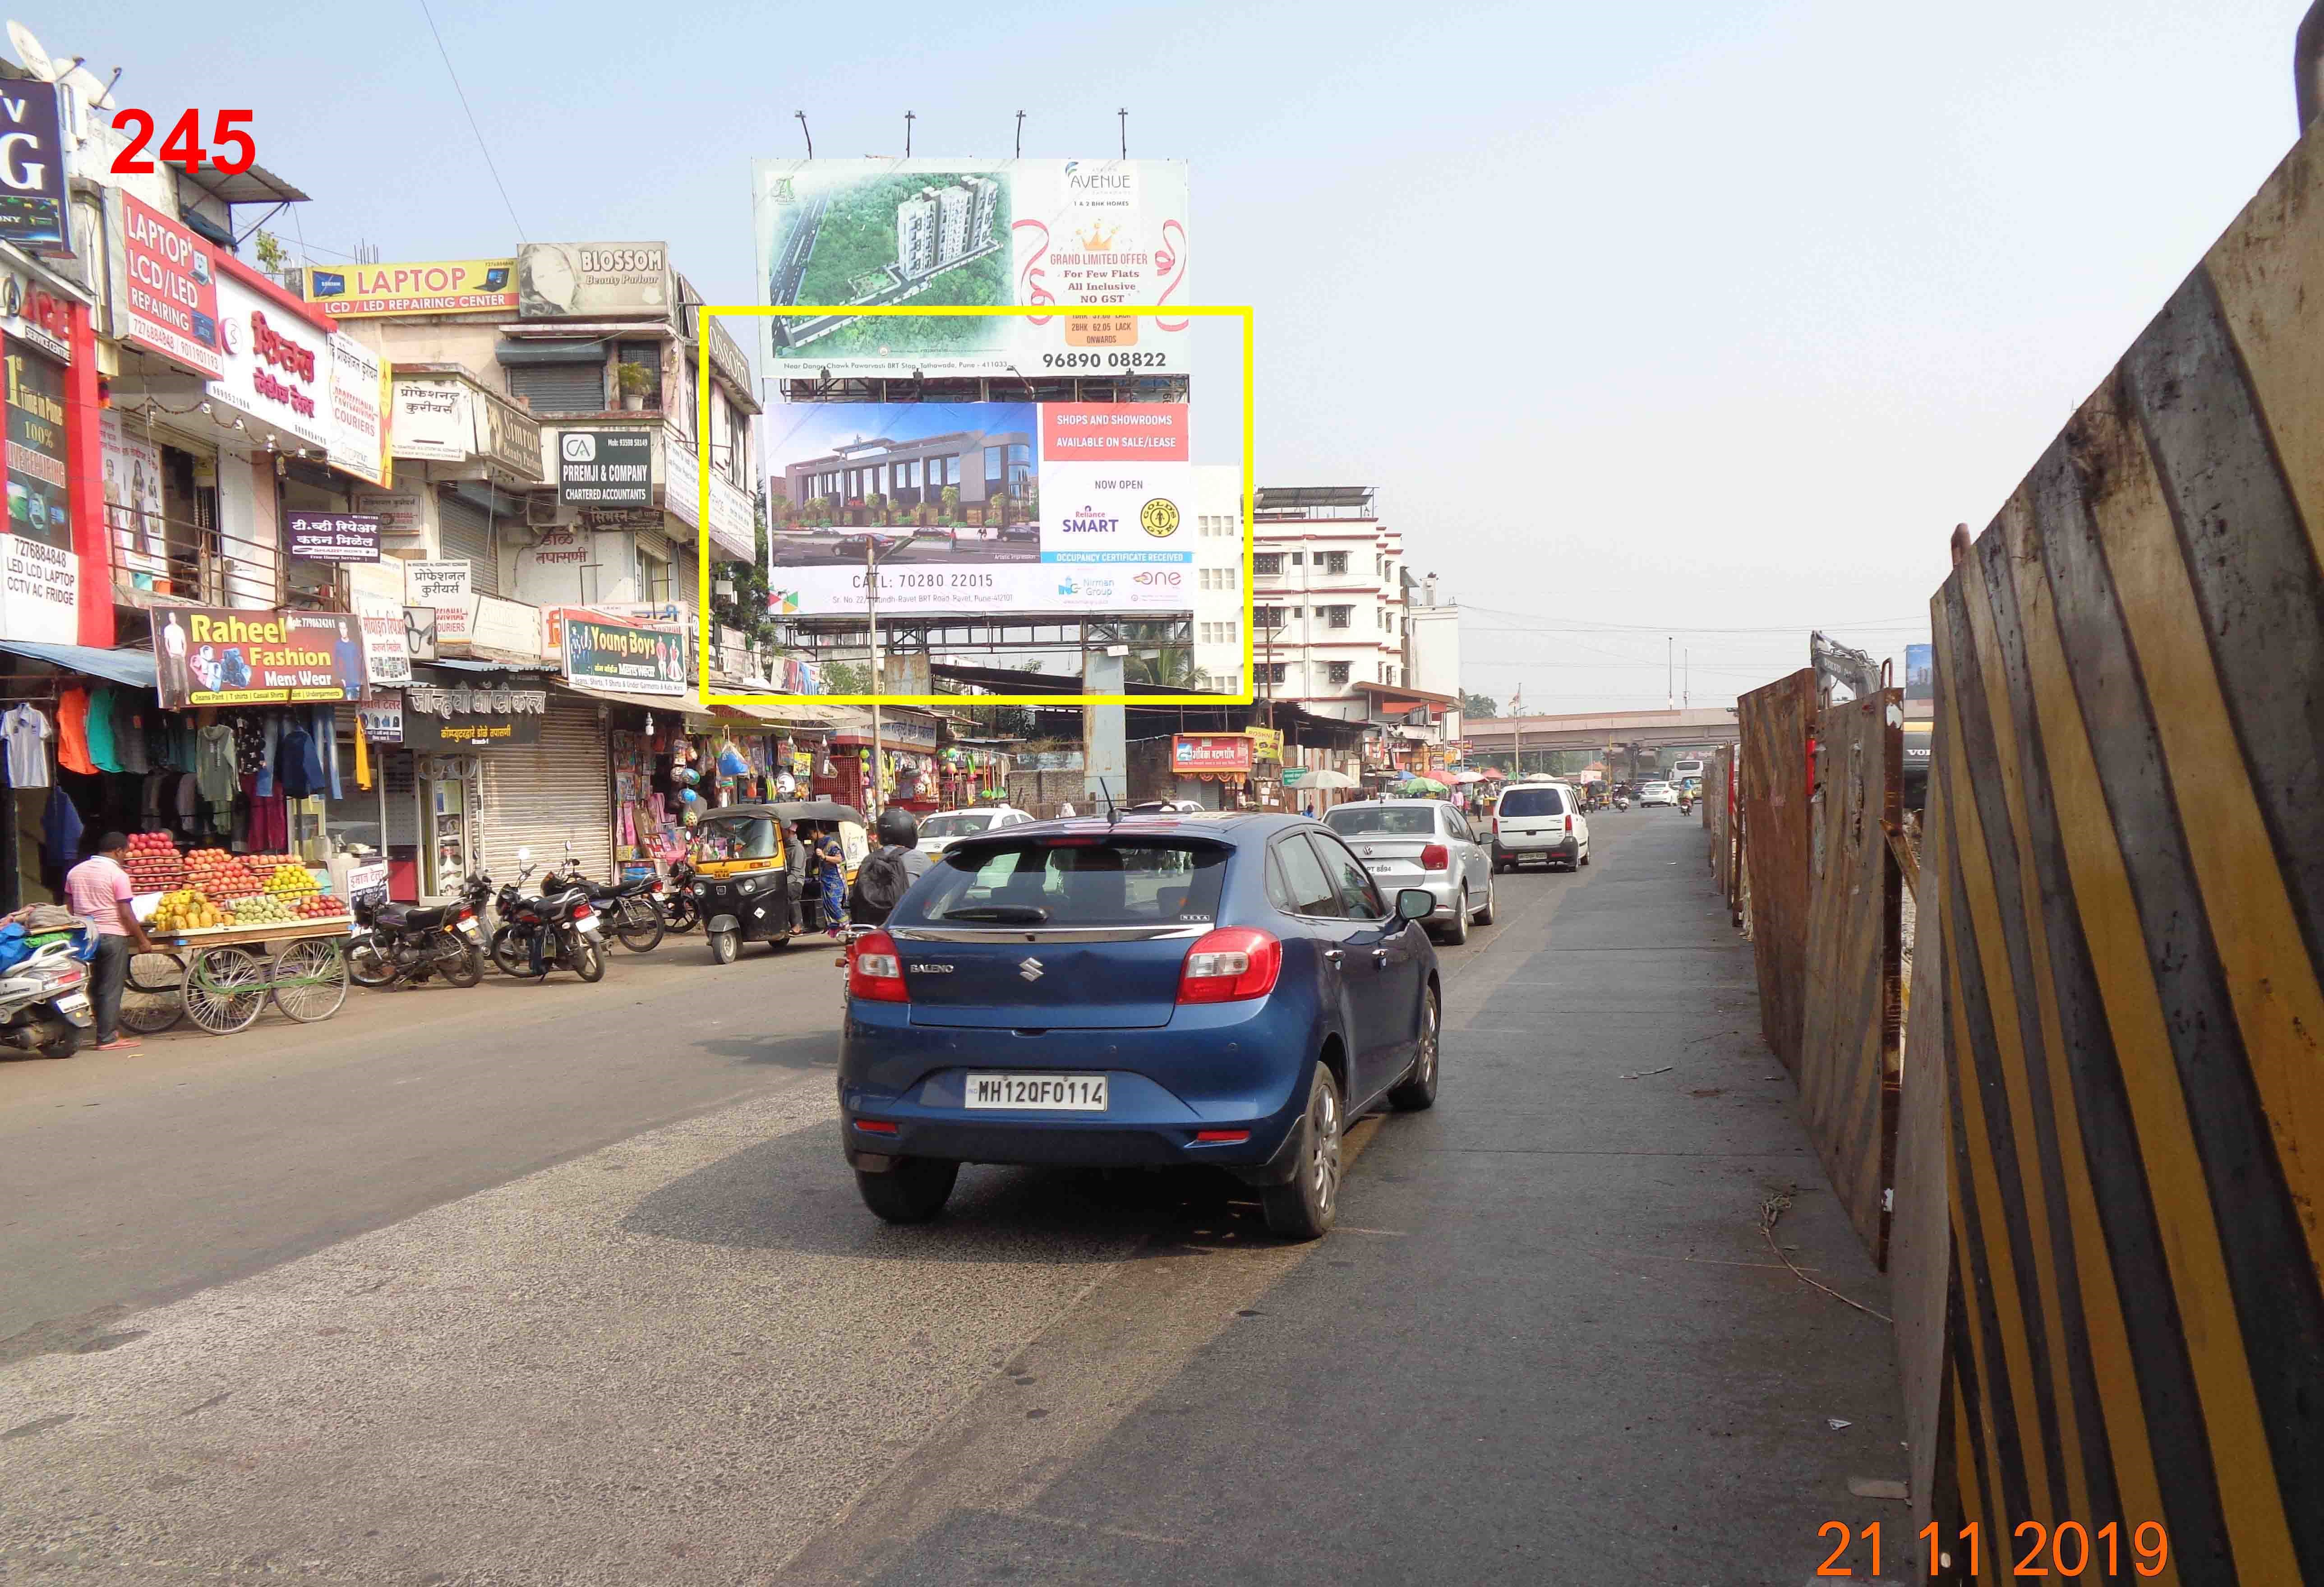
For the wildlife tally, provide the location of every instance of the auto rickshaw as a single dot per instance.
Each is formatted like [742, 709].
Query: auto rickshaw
[756, 873]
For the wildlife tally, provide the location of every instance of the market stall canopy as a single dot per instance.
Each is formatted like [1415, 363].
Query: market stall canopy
[1327, 779]
[134, 668]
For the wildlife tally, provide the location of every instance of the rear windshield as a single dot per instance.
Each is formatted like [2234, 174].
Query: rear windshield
[1036, 883]
[1532, 801]
[958, 824]
[1384, 820]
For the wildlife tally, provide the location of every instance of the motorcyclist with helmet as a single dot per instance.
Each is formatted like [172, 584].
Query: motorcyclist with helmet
[899, 835]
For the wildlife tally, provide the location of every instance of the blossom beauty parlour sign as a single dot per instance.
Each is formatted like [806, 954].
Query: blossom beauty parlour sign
[208, 656]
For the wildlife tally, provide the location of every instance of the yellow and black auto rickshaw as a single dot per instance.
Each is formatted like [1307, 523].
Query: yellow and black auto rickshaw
[758, 876]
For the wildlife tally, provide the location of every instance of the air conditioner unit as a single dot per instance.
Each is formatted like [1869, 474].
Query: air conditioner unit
[539, 509]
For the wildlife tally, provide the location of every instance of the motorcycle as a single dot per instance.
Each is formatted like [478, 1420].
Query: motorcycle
[681, 902]
[1622, 801]
[630, 908]
[402, 945]
[557, 930]
[44, 1000]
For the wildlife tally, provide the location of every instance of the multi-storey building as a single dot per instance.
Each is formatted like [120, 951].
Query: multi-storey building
[1327, 598]
[1218, 576]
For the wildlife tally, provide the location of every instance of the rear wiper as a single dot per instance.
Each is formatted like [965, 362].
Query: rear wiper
[1001, 914]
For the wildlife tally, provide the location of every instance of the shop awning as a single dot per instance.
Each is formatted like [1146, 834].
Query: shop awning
[134, 668]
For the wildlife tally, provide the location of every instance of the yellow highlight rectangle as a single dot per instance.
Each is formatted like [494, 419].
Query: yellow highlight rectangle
[702, 530]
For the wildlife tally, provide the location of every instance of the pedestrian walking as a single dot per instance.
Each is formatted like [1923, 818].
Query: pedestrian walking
[97, 889]
[834, 862]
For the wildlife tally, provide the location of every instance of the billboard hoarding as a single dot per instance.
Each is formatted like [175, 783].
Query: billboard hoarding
[217, 656]
[437, 286]
[1079, 235]
[168, 301]
[33, 167]
[567, 280]
[1921, 672]
[983, 507]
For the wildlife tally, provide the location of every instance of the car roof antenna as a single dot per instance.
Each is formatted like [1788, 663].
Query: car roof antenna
[1112, 815]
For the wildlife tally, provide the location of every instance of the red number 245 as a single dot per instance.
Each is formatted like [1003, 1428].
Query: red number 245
[183, 146]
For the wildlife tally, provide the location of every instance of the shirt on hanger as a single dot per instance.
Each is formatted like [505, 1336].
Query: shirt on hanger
[215, 764]
[28, 733]
[72, 733]
[98, 728]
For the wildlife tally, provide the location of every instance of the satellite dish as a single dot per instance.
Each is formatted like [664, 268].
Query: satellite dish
[28, 51]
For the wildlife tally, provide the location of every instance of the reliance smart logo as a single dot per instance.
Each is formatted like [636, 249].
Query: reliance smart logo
[1090, 521]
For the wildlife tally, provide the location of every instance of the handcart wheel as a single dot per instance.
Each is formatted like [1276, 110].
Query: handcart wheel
[311, 979]
[226, 989]
[153, 997]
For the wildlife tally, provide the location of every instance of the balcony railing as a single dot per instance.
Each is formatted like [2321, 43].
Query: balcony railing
[161, 561]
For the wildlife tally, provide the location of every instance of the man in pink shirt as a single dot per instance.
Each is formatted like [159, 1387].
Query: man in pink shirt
[97, 889]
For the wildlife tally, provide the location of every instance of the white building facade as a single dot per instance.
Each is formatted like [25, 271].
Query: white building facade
[1327, 596]
[1218, 575]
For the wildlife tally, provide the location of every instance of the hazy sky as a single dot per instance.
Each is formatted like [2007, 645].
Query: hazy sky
[1644, 320]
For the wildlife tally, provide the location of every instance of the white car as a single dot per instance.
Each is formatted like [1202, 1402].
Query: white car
[940, 831]
[1540, 821]
[1657, 793]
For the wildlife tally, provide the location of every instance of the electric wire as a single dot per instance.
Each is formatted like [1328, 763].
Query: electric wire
[482, 145]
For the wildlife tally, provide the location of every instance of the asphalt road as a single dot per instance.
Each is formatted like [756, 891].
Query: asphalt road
[567, 1284]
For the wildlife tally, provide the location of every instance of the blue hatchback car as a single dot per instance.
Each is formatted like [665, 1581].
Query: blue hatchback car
[1154, 990]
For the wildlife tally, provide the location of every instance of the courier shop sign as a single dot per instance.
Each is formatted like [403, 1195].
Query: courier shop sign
[605, 468]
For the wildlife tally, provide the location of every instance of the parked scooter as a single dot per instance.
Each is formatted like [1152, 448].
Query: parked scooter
[44, 1001]
[402, 944]
[557, 930]
[629, 908]
[681, 900]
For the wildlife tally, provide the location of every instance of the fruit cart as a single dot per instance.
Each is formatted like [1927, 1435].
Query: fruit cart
[219, 962]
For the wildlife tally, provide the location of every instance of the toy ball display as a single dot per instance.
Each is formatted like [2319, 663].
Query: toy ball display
[684, 776]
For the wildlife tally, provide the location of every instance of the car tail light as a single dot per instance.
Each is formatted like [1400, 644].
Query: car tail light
[1221, 1137]
[1569, 824]
[1436, 857]
[1230, 965]
[875, 972]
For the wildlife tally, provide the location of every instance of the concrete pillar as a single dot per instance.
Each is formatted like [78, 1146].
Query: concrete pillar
[1103, 728]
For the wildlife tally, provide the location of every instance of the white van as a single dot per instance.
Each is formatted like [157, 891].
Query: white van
[1540, 821]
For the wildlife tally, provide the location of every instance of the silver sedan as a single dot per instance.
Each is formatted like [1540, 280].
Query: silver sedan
[1425, 844]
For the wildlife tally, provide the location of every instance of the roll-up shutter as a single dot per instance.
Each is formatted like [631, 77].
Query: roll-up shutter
[466, 531]
[561, 388]
[543, 796]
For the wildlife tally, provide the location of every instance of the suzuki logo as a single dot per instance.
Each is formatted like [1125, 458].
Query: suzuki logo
[1030, 969]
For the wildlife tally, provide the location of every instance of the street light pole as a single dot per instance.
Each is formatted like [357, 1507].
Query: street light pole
[871, 611]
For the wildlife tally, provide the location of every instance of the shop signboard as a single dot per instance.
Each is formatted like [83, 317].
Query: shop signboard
[1265, 742]
[40, 591]
[437, 584]
[479, 716]
[507, 435]
[1081, 234]
[133, 494]
[32, 167]
[1201, 754]
[217, 656]
[278, 366]
[375, 595]
[360, 400]
[419, 633]
[487, 625]
[437, 286]
[605, 468]
[35, 388]
[31, 312]
[734, 527]
[335, 537]
[404, 517]
[431, 421]
[366, 883]
[592, 280]
[615, 656]
[983, 507]
[169, 302]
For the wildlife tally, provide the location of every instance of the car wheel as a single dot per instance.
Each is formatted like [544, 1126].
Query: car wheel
[1485, 915]
[1585, 853]
[1417, 1090]
[911, 1192]
[1457, 932]
[1304, 1208]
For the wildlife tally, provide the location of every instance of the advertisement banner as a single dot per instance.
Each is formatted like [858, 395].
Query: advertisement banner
[33, 167]
[471, 717]
[37, 505]
[335, 537]
[133, 494]
[171, 303]
[215, 656]
[1198, 754]
[608, 468]
[589, 281]
[40, 591]
[403, 516]
[983, 507]
[439, 286]
[278, 367]
[1075, 234]
[437, 584]
[431, 421]
[615, 656]
[1920, 672]
[375, 593]
[360, 398]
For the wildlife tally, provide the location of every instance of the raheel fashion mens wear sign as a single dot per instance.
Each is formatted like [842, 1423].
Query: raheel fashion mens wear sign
[208, 656]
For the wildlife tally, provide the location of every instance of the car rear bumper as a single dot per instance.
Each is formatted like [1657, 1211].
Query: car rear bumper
[1513, 851]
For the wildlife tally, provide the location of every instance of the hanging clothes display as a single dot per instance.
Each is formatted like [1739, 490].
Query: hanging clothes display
[96, 729]
[298, 764]
[27, 733]
[72, 736]
[130, 713]
[60, 830]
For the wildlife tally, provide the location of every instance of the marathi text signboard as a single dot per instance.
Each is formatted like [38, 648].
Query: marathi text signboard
[983, 507]
[32, 167]
[615, 656]
[432, 420]
[1078, 234]
[375, 593]
[360, 399]
[170, 303]
[441, 286]
[608, 468]
[1201, 754]
[213, 656]
[278, 366]
[471, 717]
[335, 537]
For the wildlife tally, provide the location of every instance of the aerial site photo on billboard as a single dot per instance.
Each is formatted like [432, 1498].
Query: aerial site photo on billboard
[1078, 234]
[980, 507]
